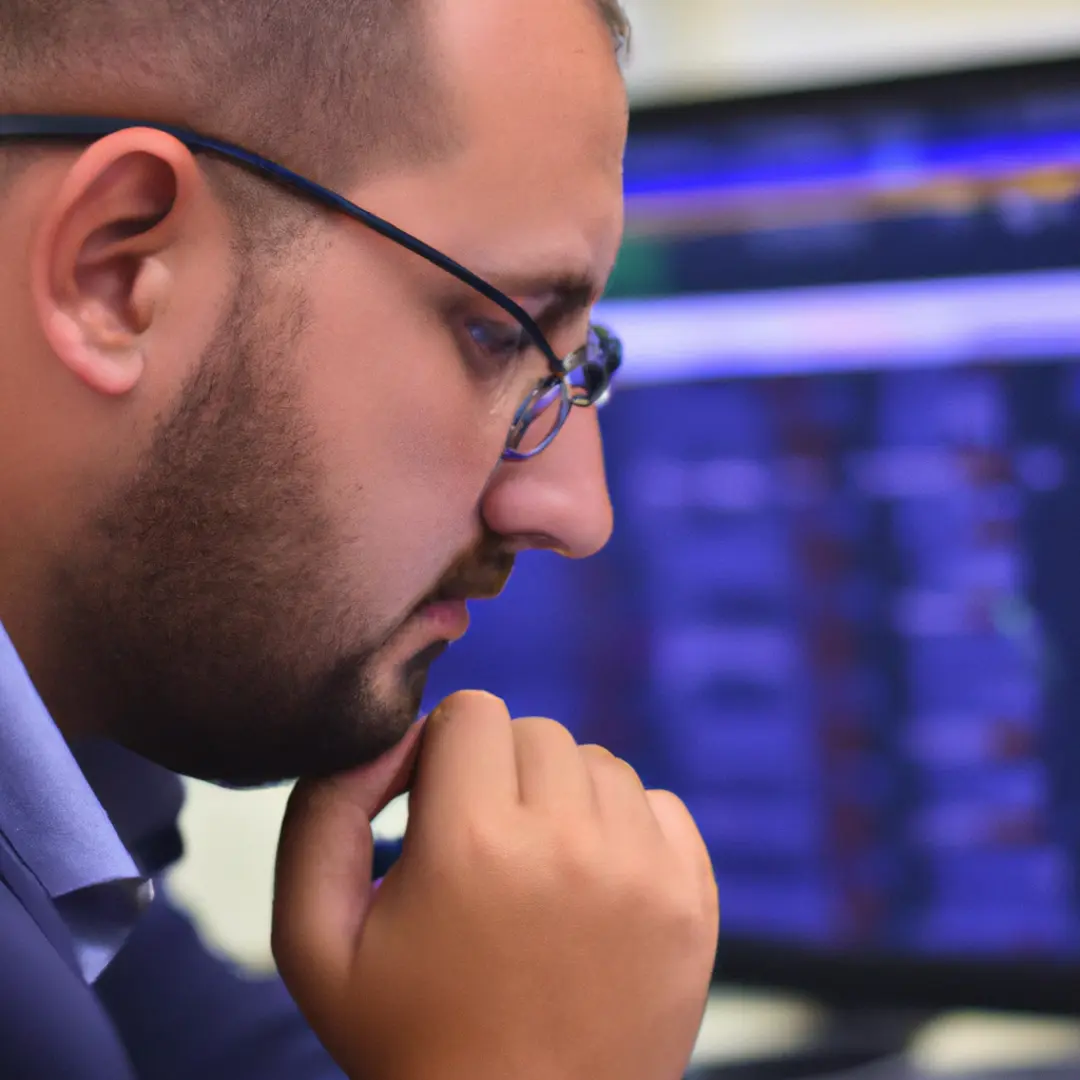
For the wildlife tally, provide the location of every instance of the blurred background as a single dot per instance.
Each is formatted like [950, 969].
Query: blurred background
[841, 614]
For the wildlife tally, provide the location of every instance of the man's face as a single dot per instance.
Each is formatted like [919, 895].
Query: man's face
[250, 600]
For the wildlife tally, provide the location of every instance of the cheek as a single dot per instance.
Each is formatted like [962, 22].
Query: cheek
[407, 442]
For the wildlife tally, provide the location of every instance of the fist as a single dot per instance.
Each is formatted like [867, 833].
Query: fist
[549, 918]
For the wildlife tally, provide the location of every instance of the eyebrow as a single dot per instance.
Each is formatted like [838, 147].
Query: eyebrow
[567, 295]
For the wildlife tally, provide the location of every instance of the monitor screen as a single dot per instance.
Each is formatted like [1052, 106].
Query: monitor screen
[840, 615]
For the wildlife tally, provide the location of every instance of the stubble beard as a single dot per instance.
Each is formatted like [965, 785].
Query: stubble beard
[207, 623]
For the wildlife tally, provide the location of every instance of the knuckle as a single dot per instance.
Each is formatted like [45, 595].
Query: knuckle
[595, 752]
[541, 728]
[671, 806]
[476, 704]
[602, 759]
[644, 889]
[687, 913]
[485, 841]
[675, 819]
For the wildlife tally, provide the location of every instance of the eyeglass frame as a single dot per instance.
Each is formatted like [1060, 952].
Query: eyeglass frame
[597, 360]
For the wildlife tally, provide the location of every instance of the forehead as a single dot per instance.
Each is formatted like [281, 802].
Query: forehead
[522, 71]
[540, 109]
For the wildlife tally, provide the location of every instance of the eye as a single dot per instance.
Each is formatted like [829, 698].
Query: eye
[497, 342]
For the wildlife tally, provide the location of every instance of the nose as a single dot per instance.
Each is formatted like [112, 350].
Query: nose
[558, 500]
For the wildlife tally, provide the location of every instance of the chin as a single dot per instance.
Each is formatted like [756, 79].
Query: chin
[399, 684]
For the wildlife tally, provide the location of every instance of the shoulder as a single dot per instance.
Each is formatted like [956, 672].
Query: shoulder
[51, 1023]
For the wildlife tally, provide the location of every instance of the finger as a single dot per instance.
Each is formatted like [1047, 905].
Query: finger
[618, 791]
[323, 875]
[551, 773]
[467, 761]
[685, 841]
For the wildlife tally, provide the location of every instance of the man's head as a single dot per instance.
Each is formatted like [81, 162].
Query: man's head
[245, 440]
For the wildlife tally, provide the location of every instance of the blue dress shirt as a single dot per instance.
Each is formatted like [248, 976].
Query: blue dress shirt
[83, 832]
[58, 828]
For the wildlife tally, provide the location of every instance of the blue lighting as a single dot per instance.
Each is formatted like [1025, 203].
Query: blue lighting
[704, 172]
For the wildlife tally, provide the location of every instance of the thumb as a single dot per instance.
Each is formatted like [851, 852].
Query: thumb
[322, 886]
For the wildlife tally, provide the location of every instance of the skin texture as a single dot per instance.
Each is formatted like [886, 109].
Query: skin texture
[229, 484]
[549, 919]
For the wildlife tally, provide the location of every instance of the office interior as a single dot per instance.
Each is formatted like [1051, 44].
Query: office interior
[840, 615]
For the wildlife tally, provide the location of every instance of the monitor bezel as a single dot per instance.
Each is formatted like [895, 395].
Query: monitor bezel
[878, 980]
[925, 89]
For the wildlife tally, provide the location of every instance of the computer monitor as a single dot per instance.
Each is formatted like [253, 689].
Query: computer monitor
[840, 614]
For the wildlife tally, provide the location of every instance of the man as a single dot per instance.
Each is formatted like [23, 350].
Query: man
[259, 446]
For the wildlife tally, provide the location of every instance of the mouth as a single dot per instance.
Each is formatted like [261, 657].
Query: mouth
[446, 619]
[433, 625]
[448, 605]
[443, 617]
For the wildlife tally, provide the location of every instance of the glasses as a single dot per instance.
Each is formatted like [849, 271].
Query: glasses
[580, 380]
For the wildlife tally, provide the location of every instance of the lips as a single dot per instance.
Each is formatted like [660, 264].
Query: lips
[448, 618]
[443, 614]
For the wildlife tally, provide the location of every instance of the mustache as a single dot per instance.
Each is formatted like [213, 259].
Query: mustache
[481, 574]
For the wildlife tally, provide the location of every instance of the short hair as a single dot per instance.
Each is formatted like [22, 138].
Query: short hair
[331, 88]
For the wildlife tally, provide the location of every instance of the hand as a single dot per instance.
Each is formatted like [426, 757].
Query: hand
[549, 919]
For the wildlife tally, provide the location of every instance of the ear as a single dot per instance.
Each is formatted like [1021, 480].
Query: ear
[100, 257]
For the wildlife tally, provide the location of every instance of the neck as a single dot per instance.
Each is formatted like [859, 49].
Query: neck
[21, 596]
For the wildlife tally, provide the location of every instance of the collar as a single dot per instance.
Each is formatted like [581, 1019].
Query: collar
[48, 812]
